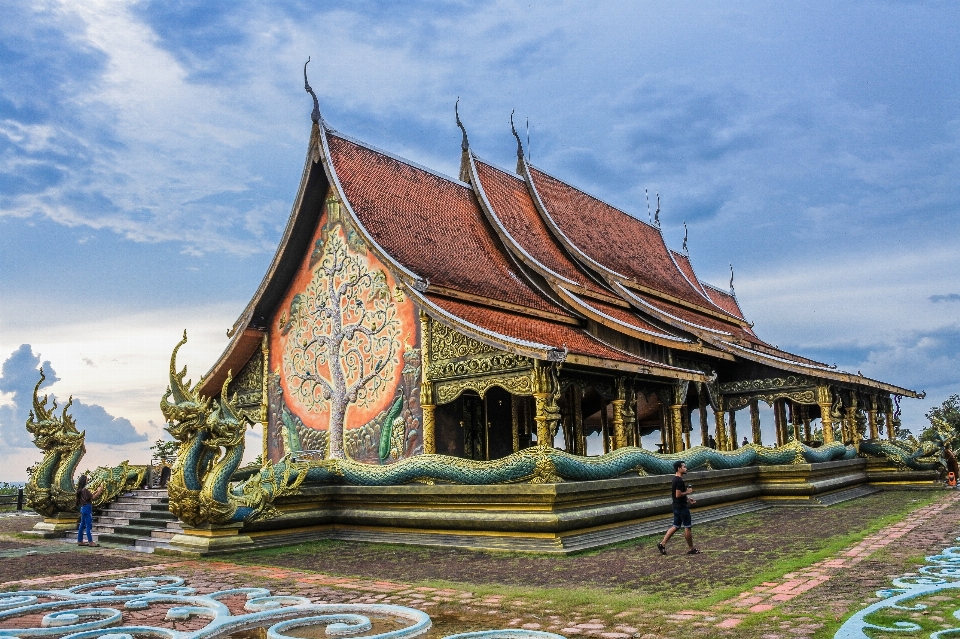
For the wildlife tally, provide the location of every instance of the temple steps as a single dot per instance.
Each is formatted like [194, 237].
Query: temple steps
[140, 519]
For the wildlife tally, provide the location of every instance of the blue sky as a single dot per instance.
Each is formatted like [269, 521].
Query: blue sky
[150, 152]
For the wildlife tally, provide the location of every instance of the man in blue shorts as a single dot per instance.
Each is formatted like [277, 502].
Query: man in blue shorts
[681, 510]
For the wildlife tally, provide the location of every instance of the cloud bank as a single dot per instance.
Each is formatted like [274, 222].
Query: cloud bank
[20, 373]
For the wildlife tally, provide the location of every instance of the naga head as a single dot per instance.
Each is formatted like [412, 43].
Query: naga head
[49, 431]
[224, 426]
[185, 414]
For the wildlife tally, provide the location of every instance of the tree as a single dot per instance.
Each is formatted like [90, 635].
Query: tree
[948, 412]
[342, 335]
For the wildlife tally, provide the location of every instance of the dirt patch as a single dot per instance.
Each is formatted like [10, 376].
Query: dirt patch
[18, 523]
[733, 550]
[13, 545]
[66, 563]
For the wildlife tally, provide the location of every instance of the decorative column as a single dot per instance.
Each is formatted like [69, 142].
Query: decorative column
[576, 408]
[721, 429]
[733, 431]
[805, 417]
[546, 412]
[779, 419]
[872, 416]
[677, 422]
[825, 401]
[515, 421]
[888, 417]
[755, 422]
[619, 424]
[426, 387]
[852, 431]
[704, 429]
[630, 418]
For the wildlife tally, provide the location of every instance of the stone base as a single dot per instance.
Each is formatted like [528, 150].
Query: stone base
[883, 473]
[54, 527]
[207, 540]
[543, 518]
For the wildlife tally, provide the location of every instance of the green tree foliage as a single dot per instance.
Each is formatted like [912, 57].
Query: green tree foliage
[163, 449]
[948, 413]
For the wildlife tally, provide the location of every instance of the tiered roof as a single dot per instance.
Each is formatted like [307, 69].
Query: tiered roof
[524, 262]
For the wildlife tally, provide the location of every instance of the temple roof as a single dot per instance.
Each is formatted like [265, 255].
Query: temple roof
[526, 263]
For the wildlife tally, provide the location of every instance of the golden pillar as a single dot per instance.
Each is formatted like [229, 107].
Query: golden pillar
[515, 421]
[677, 430]
[825, 401]
[630, 418]
[888, 417]
[426, 388]
[546, 412]
[755, 422]
[721, 430]
[805, 417]
[872, 416]
[619, 423]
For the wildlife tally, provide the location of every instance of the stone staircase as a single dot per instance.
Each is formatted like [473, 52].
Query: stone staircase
[140, 519]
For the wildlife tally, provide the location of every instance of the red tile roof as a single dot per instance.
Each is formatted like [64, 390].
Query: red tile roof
[513, 207]
[431, 225]
[614, 239]
[724, 300]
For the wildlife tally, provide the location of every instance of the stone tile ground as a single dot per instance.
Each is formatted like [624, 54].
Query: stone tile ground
[808, 600]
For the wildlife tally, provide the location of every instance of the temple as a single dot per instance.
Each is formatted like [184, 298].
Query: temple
[408, 312]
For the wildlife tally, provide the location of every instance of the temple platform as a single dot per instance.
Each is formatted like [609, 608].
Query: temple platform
[540, 518]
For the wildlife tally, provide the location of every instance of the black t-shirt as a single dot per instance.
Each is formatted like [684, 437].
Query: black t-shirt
[85, 497]
[682, 487]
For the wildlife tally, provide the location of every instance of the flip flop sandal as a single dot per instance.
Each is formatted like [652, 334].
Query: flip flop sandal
[662, 548]
[94, 544]
[82, 543]
[695, 551]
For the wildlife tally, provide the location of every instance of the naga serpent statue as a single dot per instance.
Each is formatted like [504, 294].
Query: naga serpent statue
[928, 454]
[50, 489]
[211, 437]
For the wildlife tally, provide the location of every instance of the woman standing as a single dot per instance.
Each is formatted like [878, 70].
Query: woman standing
[85, 502]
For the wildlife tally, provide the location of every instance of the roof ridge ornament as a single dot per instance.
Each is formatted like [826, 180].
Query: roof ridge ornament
[732, 292]
[464, 143]
[686, 251]
[464, 146]
[519, 143]
[656, 214]
[649, 214]
[315, 115]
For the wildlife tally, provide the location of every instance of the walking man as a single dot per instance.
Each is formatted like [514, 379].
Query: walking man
[681, 510]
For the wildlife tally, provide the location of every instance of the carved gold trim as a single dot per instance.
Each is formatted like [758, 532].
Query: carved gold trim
[805, 396]
[774, 383]
[484, 365]
[517, 384]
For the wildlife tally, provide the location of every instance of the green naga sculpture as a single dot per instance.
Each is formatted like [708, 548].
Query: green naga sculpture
[51, 490]
[211, 437]
[935, 453]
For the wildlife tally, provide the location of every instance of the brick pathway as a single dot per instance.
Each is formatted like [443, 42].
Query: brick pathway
[769, 595]
[461, 608]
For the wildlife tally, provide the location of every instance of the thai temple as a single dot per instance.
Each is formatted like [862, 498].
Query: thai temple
[409, 312]
[473, 362]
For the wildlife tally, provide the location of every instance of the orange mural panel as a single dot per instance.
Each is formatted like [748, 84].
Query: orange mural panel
[344, 353]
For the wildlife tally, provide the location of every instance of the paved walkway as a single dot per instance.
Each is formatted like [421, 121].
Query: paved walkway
[512, 612]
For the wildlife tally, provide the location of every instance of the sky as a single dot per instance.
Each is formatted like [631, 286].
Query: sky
[150, 153]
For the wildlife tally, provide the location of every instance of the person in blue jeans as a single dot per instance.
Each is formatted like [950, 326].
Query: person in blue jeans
[681, 510]
[85, 502]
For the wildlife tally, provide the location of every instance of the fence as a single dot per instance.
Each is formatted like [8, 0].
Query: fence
[13, 499]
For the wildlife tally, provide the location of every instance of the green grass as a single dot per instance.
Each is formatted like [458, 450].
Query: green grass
[599, 601]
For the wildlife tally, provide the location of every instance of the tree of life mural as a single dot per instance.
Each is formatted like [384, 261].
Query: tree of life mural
[343, 332]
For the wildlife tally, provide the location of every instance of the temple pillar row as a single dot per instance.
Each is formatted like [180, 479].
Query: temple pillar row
[825, 401]
[755, 422]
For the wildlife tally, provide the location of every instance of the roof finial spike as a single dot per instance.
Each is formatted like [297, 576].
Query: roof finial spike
[656, 214]
[464, 144]
[315, 115]
[685, 236]
[649, 214]
[519, 146]
[731, 279]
